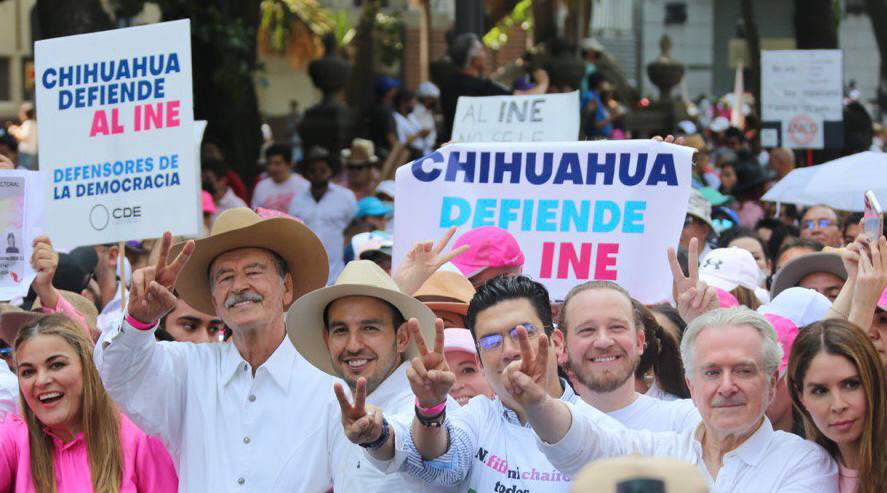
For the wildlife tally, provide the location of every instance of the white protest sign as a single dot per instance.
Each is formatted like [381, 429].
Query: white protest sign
[117, 134]
[801, 99]
[21, 208]
[540, 118]
[605, 210]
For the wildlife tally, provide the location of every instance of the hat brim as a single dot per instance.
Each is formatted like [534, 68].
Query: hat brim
[798, 268]
[305, 325]
[448, 306]
[704, 219]
[303, 252]
[12, 322]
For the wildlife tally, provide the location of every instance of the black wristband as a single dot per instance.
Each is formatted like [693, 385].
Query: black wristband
[382, 438]
[435, 421]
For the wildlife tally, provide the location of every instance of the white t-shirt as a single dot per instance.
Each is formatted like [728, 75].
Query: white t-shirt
[423, 118]
[405, 128]
[8, 391]
[647, 413]
[278, 196]
[656, 392]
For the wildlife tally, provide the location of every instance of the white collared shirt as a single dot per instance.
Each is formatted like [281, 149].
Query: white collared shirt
[351, 470]
[647, 413]
[226, 430]
[328, 219]
[112, 313]
[768, 461]
[8, 391]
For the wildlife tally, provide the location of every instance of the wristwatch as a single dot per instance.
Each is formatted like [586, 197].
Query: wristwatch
[434, 421]
[382, 437]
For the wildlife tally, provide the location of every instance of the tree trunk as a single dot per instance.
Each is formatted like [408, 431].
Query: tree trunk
[877, 10]
[360, 93]
[815, 26]
[66, 17]
[578, 19]
[544, 27]
[753, 48]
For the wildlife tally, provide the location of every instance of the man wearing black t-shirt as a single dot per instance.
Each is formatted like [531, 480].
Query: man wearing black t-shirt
[467, 52]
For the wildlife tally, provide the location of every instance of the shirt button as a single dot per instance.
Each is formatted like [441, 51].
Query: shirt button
[252, 398]
[241, 481]
[246, 440]
[245, 367]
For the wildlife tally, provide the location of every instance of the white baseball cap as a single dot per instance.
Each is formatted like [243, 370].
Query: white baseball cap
[427, 89]
[800, 305]
[728, 268]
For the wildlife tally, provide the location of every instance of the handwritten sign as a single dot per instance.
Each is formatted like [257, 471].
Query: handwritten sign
[542, 118]
[116, 134]
[604, 210]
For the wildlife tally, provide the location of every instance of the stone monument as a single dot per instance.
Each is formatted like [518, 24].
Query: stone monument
[663, 114]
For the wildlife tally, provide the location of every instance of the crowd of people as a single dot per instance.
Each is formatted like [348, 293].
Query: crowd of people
[279, 351]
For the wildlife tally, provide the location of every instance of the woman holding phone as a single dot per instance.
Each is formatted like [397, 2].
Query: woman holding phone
[837, 382]
[71, 437]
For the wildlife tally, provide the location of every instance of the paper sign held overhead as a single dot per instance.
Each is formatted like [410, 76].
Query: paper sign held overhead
[21, 209]
[117, 134]
[538, 118]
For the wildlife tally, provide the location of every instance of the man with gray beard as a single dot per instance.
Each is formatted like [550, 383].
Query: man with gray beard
[604, 339]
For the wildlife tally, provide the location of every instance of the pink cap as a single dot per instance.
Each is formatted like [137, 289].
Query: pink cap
[726, 299]
[273, 213]
[459, 340]
[882, 302]
[209, 207]
[490, 247]
[786, 333]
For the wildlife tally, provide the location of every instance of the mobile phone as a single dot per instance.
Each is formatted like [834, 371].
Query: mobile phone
[872, 217]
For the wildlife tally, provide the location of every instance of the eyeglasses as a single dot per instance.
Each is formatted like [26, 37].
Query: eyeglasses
[492, 342]
[817, 223]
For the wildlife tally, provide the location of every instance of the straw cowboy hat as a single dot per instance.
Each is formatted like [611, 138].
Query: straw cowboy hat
[240, 227]
[12, 321]
[446, 291]
[362, 151]
[619, 474]
[304, 321]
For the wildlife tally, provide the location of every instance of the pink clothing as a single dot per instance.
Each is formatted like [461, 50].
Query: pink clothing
[750, 213]
[848, 479]
[66, 308]
[147, 466]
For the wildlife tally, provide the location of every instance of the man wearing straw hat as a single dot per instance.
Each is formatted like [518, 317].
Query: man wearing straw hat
[359, 330]
[246, 416]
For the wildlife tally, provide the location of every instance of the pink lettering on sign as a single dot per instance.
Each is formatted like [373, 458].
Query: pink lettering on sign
[101, 125]
[573, 265]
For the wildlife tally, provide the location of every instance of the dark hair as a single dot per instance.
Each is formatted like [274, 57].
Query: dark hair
[838, 222]
[403, 95]
[397, 318]
[779, 232]
[799, 243]
[737, 232]
[683, 260]
[672, 314]
[734, 132]
[317, 153]
[853, 218]
[8, 140]
[504, 288]
[662, 353]
[279, 150]
[215, 166]
[461, 47]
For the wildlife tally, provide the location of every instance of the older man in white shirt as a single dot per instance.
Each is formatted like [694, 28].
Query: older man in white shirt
[731, 358]
[360, 330]
[250, 415]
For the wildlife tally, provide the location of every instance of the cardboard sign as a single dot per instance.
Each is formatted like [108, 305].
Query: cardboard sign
[605, 210]
[21, 208]
[541, 118]
[801, 99]
[117, 134]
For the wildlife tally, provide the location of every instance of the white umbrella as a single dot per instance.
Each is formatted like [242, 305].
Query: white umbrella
[839, 184]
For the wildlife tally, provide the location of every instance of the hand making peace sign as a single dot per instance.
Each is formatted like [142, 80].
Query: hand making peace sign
[694, 297]
[527, 379]
[151, 297]
[362, 423]
[423, 260]
[430, 377]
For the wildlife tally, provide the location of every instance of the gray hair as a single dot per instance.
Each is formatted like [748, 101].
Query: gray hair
[465, 47]
[732, 317]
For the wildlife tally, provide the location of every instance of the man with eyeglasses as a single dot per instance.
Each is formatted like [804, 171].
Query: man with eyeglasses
[485, 445]
[821, 223]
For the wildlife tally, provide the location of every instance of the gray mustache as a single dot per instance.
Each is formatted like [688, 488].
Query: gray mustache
[235, 298]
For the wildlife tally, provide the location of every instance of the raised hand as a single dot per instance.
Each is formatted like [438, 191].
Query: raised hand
[44, 261]
[670, 139]
[423, 260]
[361, 422]
[527, 380]
[430, 377]
[694, 297]
[150, 296]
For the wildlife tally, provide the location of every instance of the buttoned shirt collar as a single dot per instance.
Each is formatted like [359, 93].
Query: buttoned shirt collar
[280, 365]
[754, 448]
[390, 388]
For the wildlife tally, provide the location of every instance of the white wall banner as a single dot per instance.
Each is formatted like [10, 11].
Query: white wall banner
[117, 134]
[801, 99]
[539, 118]
[21, 209]
[605, 210]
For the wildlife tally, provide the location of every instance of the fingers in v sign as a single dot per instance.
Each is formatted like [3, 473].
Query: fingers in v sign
[361, 423]
[429, 375]
[527, 380]
[151, 294]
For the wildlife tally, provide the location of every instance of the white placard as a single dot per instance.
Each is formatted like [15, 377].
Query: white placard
[117, 134]
[579, 210]
[21, 209]
[540, 118]
[801, 90]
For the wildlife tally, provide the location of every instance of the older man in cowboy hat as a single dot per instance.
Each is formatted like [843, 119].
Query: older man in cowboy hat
[359, 330]
[246, 416]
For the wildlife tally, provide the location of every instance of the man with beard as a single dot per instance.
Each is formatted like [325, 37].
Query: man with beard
[604, 339]
[359, 330]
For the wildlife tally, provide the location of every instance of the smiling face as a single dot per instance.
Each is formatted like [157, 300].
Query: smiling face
[248, 291]
[363, 341]
[729, 383]
[50, 376]
[833, 395]
[603, 345]
[470, 379]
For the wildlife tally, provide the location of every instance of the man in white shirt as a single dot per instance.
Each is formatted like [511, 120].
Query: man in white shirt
[603, 342]
[103, 261]
[326, 208]
[359, 330]
[731, 357]
[278, 189]
[423, 115]
[250, 415]
[215, 181]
